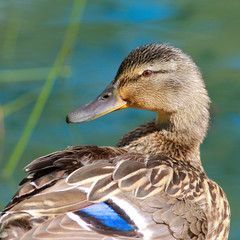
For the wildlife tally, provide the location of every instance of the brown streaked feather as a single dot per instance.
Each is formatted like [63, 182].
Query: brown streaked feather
[90, 173]
[53, 202]
[47, 170]
[160, 177]
[130, 174]
[103, 189]
[57, 229]
[62, 227]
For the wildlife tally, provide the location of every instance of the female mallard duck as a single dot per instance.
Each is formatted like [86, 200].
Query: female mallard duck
[151, 186]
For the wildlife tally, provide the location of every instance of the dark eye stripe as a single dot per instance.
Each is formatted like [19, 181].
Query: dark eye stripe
[162, 71]
[126, 80]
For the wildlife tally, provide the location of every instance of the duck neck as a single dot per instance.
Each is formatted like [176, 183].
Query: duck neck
[166, 136]
[178, 139]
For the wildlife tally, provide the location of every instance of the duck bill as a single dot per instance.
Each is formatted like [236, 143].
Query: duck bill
[108, 101]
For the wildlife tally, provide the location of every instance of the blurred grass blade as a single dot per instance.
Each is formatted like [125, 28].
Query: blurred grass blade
[31, 74]
[65, 51]
[11, 35]
[18, 103]
[19, 75]
[2, 131]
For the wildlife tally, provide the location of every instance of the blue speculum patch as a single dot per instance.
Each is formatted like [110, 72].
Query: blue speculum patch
[107, 216]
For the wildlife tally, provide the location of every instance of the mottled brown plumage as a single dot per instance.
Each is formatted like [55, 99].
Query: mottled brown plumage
[153, 179]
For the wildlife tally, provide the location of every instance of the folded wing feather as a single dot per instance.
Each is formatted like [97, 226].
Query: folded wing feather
[67, 181]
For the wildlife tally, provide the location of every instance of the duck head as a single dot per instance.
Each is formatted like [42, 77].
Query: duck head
[158, 78]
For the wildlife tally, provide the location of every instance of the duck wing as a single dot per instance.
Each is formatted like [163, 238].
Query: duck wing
[88, 192]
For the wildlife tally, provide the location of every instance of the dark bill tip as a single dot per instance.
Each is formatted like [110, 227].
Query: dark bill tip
[67, 119]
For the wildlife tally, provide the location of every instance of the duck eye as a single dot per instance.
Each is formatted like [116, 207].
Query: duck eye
[147, 73]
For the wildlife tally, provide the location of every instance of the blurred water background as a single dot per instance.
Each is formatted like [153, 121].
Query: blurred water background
[57, 55]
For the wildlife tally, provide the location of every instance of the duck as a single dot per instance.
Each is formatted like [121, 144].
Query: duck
[151, 185]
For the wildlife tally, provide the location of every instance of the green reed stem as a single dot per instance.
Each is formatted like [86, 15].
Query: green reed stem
[2, 131]
[9, 43]
[21, 75]
[18, 103]
[65, 51]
